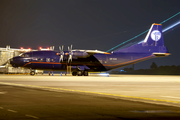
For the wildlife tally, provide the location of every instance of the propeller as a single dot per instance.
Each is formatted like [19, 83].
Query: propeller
[70, 54]
[61, 53]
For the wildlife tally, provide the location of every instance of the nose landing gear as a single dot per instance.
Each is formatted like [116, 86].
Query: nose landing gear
[32, 72]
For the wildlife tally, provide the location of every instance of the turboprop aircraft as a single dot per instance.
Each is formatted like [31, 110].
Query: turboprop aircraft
[80, 62]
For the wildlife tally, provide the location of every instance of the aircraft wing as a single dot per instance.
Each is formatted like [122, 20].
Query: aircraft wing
[96, 51]
[86, 53]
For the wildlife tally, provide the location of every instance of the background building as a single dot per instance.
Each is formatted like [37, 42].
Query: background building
[8, 53]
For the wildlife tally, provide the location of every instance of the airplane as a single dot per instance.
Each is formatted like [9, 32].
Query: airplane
[80, 62]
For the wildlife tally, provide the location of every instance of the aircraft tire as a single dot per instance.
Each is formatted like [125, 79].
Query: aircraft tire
[79, 73]
[74, 73]
[85, 73]
[32, 73]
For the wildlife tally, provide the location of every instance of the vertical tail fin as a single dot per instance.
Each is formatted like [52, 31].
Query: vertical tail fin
[153, 42]
[154, 36]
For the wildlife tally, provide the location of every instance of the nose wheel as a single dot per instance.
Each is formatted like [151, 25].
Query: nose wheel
[74, 73]
[32, 73]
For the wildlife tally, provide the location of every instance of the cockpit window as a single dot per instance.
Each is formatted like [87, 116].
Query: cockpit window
[21, 54]
[24, 55]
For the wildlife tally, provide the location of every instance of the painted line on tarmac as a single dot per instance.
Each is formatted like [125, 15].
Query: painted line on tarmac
[19, 74]
[32, 116]
[12, 111]
[99, 93]
[3, 92]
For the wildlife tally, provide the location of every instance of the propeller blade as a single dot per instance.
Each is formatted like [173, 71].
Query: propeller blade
[70, 54]
[61, 58]
[62, 47]
[71, 47]
[61, 53]
[70, 58]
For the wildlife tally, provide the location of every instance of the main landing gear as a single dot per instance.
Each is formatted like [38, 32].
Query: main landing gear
[80, 73]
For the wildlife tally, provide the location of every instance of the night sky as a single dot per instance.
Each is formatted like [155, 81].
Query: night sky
[87, 24]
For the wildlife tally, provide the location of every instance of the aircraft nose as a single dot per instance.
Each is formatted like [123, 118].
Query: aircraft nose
[11, 61]
[14, 61]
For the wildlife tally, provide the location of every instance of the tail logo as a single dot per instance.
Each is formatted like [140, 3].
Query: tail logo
[156, 35]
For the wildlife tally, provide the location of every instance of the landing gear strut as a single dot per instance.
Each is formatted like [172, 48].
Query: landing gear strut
[80, 73]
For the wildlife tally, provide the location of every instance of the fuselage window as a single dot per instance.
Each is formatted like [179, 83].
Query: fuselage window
[47, 59]
[25, 60]
[40, 59]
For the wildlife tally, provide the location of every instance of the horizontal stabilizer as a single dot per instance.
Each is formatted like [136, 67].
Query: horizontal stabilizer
[161, 54]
